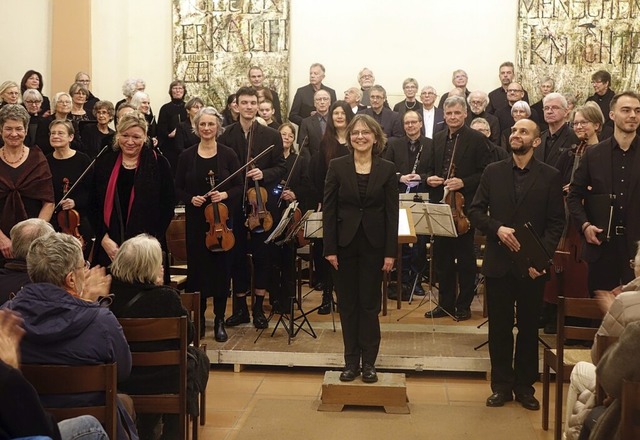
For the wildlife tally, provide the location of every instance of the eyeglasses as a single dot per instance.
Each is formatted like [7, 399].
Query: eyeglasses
[552, 108]
[33, 102]
[376, 97]
[427, 94]
[581, 123]
[514, 90]
[363, 133]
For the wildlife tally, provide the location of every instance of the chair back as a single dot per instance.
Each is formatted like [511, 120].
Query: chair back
[602, 345]
[159, 329]
[191, 302]
[586, 308]
[75, 379]
[630, 419]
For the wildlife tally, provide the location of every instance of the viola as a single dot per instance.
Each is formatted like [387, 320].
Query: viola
[219, 237]
[455, 200]
[69, 219]
[259, 218]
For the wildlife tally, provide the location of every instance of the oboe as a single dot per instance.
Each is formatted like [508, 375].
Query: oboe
[415, 167]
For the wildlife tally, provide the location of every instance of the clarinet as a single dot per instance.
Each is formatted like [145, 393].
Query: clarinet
[415, 167]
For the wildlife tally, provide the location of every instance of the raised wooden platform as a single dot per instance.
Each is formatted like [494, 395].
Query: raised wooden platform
[389, 392]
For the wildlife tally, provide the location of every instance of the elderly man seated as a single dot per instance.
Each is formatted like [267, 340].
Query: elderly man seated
[14, 274]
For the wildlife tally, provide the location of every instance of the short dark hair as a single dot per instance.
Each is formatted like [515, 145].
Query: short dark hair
[602, 75]
[246, 91]
[629, 93]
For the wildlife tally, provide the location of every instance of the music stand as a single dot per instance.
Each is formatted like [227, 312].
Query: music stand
[409, 201]
[435, 220]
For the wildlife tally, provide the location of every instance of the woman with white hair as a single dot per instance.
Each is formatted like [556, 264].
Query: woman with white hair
[142, 102]
[519, 110]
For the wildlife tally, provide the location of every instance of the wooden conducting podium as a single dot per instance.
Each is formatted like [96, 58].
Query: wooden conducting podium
[406, 235]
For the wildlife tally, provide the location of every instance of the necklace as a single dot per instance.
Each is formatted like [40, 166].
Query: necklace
[412, 107]
[4, 156]
[129, 166]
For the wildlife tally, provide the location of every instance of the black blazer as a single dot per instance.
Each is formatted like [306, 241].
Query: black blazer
[302, 105]
[390, 122]
[344, 211]
[494, 124]
[541, 204]
[595, 171]
[566, 139]
[398, 152]
[471, 157]
[311, 127]
[438, 121]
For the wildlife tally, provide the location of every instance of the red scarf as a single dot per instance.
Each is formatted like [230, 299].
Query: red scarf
[111, 191]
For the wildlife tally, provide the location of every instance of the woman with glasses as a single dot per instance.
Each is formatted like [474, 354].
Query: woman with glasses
[410, 89]
[171, 115]
[61, 111]
[32, 101]
[360, 225]
[131, 192]
[9, 93]
[32, 80]
[519, 110]
[94, 135]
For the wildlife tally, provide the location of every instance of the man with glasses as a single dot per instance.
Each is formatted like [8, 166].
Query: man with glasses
[602, 93]
[432, 117]
[388, 119]
[303, 101]
[498, 97]
[515, 93]
[366, 79]
[559, 136]
[315, 125]
[478, 102]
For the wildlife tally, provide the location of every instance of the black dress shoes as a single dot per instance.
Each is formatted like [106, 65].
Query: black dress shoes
[528, 401]
[259, 320]
[463, 315]
[438, 312]
[219, 333]
[499, 398]
[349, 373]
[369, 374]
[240, 316]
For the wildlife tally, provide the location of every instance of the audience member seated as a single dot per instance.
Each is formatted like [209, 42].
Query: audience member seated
[137, 285]
[64, 323]
[13, 276]
[622, 307]
[21, 413]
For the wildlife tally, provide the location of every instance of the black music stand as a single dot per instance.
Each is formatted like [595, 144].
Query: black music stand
[434, 220]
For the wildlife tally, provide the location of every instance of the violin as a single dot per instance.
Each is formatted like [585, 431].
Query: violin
[69, 219]
[259, 219]
[219, 237]
[455, 200]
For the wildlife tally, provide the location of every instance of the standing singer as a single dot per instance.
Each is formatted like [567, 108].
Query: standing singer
[360, 225]
[512, 192]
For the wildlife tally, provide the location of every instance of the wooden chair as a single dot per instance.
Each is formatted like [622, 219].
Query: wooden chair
[191, 302]
[562, 360]
[630, 419]
[177, 255]
[72, 379]
[160, 329]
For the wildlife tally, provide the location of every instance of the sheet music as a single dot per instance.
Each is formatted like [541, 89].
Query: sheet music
[313, 226]
[431, 218]
[403, 223]
[284, 222]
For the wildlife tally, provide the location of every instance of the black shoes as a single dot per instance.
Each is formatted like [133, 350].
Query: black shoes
[240, 316]
[349, 373]
[325, 308]
[463, 315]
[528, 401]
[219, 333]
[259, 320]
[438, 312]
[499, 398]
[369, 374]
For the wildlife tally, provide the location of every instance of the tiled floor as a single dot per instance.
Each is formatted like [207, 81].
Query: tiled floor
[231, 396]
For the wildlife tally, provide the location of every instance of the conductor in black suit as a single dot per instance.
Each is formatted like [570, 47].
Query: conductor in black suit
[360, 224]
[512, 192]
[466, 150]
[611, 167]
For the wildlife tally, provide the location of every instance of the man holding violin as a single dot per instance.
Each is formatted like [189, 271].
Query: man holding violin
[248, 139]
[456, 164]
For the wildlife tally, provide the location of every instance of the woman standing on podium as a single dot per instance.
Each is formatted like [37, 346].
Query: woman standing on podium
[360, 224]
[207, 272]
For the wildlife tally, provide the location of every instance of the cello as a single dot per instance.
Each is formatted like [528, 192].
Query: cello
[69, 219]
[219, 238]
[569, 276]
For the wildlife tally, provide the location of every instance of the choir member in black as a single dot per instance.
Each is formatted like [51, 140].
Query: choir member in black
[208, 272]
[170, 116]
[69, 164]
[84, 79]
[132, 191]
[32, 101]
[297, 188]
[141, 101]
[9, 93]
[94, 134]
[61, 109]
[25, 178]
[601, 82]
[32, 80]
[185, 133]
[230, 113]
[333, 144]
[267, 172]
[79, 96]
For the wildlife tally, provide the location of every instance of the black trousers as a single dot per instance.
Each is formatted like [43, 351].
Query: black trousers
[612, 268]
[508, 373]
[358, 284]
[455, 256]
